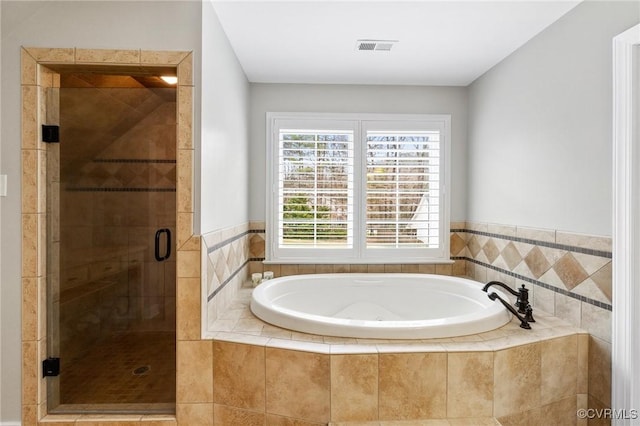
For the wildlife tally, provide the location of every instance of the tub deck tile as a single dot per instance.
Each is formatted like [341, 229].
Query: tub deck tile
[238, 324]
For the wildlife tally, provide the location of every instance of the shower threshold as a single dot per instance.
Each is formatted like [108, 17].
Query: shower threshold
[143, 408]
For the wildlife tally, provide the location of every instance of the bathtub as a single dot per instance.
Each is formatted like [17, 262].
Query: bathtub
[385, 306]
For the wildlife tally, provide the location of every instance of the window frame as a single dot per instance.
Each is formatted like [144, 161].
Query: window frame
[360, 123]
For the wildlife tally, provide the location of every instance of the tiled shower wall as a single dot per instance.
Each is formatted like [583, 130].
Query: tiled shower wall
[568, 275]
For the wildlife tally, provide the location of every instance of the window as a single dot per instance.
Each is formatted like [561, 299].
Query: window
[346, 188]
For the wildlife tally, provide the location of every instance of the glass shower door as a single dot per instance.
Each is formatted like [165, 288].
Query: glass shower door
[112, 269]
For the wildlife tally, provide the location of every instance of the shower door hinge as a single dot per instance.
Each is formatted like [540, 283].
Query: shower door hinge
[50, 134]
[51, 367]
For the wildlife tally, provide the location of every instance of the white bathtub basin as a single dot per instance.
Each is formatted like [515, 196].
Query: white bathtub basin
[388, 306]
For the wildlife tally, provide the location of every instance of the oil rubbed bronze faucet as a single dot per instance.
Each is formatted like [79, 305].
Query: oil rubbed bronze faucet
[524, 312]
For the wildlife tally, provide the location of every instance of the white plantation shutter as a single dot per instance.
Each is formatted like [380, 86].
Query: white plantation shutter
[357, 188]
[403, 189]
[315, 203]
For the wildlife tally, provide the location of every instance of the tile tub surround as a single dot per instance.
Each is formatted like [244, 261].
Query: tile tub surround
[225, 260]
[260, 370]
[569, 275]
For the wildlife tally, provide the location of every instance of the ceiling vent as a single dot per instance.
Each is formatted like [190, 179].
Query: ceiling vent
[375, 45]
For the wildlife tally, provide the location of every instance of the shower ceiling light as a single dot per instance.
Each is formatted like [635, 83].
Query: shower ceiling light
[170, 79]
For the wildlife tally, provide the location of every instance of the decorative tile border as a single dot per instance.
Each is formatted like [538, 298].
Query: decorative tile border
[540, 284]
[577, 270]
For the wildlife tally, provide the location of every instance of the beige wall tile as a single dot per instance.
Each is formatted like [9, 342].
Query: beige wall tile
[547, 235]
[185, 181]
[194, 414]
[227, 416]
[29, 414]
[29, 245]
[306, 269]
[41, 54]
[340, 269]
[185, 71]
[185, 120]
[30, 370]
[427, 269]
[487, 421]
[188, 264]
[568, 309]
[517, 380]
[184, 228]
[600, 370]
[544, 299]
[508, 230]
[533, 417]
[477, 226]
[470, 384]
[112, 56]
[354, 387]
[30, 181]
[594, 404]
[168, 57]
[188, 309]
[412, 386]
[603, 280]
[582, 380]
[28, 68]
[559, 367]
[459, 267]
[30, 299]
[444, 269]
[29, 118]
[593, 242]
[286, 270]
[239, 375]
[596, 321]
[562, 412]
[191, 244]
[324, 269]
[410, 268]
[298, 384]
[194, 371]
[392, 269]
[273, 420]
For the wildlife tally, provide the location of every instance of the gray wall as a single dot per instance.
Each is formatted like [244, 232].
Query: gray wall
[351, 98]
[162, 25]
[225, 131]
[540, 145]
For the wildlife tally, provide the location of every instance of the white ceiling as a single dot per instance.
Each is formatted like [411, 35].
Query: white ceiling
[440, 42]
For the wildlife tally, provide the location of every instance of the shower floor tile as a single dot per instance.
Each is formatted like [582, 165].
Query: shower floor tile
[127, 368]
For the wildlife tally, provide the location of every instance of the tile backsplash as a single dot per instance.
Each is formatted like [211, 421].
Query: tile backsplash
[568, 274]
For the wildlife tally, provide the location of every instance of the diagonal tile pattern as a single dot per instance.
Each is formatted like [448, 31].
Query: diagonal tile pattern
[556, 266]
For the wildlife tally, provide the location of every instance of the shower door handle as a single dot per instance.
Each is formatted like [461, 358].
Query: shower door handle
[167, 253]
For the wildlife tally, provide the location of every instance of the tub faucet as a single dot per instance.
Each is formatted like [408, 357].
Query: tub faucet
[522, 301]
[524, 323]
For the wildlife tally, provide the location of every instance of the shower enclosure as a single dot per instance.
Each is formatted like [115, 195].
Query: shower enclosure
[111, 257]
